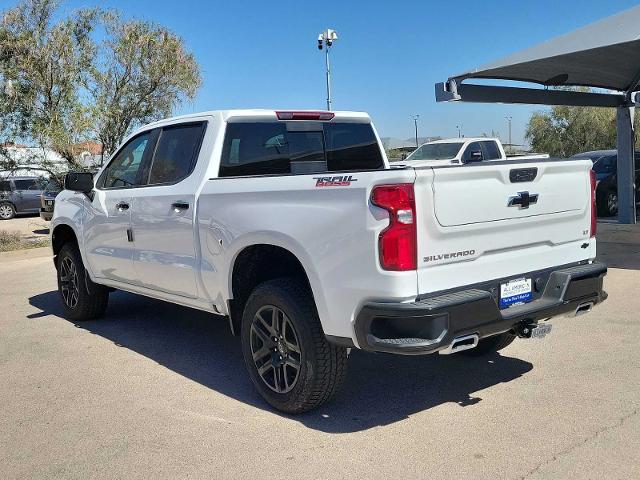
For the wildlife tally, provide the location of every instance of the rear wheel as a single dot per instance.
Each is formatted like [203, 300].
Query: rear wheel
[81, 298]
[489, 345]
[287, 356]
[7, 211]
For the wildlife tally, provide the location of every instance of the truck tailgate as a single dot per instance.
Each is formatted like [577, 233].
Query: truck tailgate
[501, 219]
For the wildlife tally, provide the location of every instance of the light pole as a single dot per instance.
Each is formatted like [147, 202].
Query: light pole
[459, 131]
[509, 118]
[326, 39]
[415, 123]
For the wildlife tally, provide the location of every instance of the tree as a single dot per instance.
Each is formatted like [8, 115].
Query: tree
[43, 66]
[143, 74]
[60, 86]
[564, 131]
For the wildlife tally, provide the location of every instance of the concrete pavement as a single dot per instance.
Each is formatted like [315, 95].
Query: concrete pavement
[159, 391]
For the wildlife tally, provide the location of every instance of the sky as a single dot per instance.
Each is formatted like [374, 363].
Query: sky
[389, 55]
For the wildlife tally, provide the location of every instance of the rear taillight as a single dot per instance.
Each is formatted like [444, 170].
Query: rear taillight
[304, 115]
[397, 243]
[594, 213]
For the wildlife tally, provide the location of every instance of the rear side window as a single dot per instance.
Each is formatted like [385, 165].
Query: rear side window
[271, 148]
[5, 186]
[176, 153]
[490, 151]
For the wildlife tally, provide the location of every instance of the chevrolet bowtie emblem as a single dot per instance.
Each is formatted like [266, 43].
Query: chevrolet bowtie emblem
[523, 200]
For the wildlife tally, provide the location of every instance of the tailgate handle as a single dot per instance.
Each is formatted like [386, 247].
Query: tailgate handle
[520, 175]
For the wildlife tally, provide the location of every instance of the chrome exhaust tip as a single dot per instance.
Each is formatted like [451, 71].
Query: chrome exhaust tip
[465, 342]
[583, 308]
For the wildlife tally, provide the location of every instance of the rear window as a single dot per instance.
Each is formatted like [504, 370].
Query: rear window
[267, 148]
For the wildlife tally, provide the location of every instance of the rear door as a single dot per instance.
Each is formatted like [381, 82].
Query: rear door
[485, 221]
[163, 212]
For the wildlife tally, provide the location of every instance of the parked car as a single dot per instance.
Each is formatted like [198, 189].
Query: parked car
[605, 164]
[19, 195]
[294, 227]
[47, 199]
[462, 151]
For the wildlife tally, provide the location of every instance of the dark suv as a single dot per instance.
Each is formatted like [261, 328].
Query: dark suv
[19, 195]
[605, 164]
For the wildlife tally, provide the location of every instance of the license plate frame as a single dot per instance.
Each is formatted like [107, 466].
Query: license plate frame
[515, 292]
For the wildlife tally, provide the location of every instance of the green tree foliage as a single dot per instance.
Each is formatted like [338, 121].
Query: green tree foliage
[43, 67]
[144, 73]
[564, 131]
[88, 76]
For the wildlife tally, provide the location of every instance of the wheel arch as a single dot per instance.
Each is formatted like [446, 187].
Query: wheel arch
[61, 235]
[257, 263]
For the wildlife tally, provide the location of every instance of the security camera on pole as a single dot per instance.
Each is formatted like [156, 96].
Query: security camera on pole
[326, 39]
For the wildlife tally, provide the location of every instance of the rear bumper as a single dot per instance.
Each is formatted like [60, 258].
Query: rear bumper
[430, 325]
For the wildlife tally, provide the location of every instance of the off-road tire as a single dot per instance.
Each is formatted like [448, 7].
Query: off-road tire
[322, 366]
[489, 345]
[81, 298]
[8, 211]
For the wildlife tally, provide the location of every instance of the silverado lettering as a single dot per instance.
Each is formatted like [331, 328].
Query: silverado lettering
[446, 256]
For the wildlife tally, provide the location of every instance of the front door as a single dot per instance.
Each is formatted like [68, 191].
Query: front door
[163, 213]
[27, 192]
[107, 226]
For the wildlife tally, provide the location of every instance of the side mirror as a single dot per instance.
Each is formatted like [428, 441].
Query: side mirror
[79, 182]
[476, 156]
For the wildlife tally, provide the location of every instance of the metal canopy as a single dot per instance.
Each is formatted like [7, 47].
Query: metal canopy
[605, 54]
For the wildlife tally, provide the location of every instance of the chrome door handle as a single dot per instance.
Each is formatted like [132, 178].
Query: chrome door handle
[177, 206]
[122, 206]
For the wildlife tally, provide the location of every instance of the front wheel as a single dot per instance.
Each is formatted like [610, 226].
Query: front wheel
[287, 356]
[81, 298]
[608, 204]
[7, 211]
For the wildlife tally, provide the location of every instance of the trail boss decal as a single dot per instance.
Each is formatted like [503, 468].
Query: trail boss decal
[447, 256]
[340, 181]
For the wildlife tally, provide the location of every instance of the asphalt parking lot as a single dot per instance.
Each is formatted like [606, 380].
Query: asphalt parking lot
[159, 391]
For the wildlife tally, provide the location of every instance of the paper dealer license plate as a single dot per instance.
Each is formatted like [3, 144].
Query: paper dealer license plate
[515, 291]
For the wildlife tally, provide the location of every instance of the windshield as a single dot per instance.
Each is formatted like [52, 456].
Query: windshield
[436, 151]
[605, 165]
[52, 186]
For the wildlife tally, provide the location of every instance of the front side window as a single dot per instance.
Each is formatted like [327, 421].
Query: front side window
[176, 153]
[123, 170]
[30, 184]
[490, 151]
[473, 153]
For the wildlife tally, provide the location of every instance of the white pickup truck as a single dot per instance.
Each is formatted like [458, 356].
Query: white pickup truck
[456, 151]
[293, 226]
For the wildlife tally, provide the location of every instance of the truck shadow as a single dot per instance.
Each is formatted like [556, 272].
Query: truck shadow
[380, 389]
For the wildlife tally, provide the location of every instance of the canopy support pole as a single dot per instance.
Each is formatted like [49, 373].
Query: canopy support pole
[626, 168]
